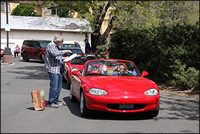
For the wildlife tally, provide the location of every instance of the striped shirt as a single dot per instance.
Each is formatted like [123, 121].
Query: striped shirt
[52, 58]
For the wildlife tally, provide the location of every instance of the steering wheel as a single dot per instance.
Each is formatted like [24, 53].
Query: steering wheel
[124, 73]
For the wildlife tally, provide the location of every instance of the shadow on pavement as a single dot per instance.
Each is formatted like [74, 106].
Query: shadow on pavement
[74, 108]
[179, 107]
[30, 71]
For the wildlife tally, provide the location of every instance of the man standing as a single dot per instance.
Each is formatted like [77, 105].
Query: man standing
[53, 66]
[87, 46]
[76, 44]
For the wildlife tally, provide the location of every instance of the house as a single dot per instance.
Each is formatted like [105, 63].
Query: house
[49, 12]
[43, 11]
[43, 28]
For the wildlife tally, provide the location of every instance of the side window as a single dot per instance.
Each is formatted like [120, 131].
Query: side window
[31, 44]
[25, 43]
[28, 44]
[37, 44]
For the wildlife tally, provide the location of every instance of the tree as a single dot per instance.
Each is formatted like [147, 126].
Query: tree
[25, 10]
[144, 15]
[127, 14]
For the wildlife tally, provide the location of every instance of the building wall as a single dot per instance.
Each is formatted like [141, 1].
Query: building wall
[38, 9]
[16, 37]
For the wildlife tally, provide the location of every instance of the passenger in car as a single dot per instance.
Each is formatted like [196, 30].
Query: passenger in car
[95, 69]
[104, 70]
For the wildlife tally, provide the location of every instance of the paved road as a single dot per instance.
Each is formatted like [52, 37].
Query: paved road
[177, 114]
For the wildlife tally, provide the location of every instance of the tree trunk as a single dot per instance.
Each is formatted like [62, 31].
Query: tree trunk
[98, 39]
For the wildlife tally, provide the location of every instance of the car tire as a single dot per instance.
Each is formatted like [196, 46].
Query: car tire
[152, 114]
[83, 109]
[71, 96]
[42, 57]
[24, 56]
[68, 83]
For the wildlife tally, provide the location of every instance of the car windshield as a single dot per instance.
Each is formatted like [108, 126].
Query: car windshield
[111, 68]
[44, 43]
[81, 59]
[73, 51]
[67, 45]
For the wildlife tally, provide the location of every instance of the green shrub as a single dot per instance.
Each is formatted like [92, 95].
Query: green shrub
[25, 10]
[186, 78]
[160, 50]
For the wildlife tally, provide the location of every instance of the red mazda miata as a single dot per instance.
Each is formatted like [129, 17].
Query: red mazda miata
[113, 85]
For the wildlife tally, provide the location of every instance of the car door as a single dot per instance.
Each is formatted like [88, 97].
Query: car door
[29, 49]
[36, 50]
[76, 83]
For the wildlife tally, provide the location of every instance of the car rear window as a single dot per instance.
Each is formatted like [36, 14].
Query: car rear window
[73, 51]
[68, 45]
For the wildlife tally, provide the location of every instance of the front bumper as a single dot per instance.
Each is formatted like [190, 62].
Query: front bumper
[110, 102]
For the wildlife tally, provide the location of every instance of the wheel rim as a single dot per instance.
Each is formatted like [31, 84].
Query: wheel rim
[82, 103]
[70, 96]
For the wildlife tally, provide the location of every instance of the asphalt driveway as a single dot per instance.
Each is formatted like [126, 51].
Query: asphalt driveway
[178, 114]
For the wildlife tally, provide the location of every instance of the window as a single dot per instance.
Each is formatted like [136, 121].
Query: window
[50, 11]
[31, 44]
[3, 7]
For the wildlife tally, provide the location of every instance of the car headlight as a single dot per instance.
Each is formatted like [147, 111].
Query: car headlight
[151, 92]
[96, 91]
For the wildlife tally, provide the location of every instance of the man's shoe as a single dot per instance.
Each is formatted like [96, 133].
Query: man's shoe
[60, 104]
[52, 105]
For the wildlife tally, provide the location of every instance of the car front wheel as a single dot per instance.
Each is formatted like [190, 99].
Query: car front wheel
[24, 56]
[83, 109]
[71, 96]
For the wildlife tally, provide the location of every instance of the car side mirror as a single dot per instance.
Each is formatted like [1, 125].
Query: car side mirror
[75, 72]
[144, 73]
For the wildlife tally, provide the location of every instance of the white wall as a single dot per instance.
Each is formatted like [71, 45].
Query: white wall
[16, 37]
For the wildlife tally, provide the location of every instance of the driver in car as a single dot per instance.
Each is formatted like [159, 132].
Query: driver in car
[121, 68]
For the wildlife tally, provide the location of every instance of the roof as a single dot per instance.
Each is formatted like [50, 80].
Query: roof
[37, 40]
[45, 23]
[31, 2]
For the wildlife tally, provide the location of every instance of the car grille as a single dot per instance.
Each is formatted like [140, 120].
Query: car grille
[116, 106]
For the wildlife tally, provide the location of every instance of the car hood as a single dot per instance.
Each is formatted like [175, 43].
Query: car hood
[121, 83]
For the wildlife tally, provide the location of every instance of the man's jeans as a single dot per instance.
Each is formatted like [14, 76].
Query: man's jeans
[55, 87]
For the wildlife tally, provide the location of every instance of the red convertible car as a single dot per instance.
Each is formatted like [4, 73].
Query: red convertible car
[113, 85]
[78, 62]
